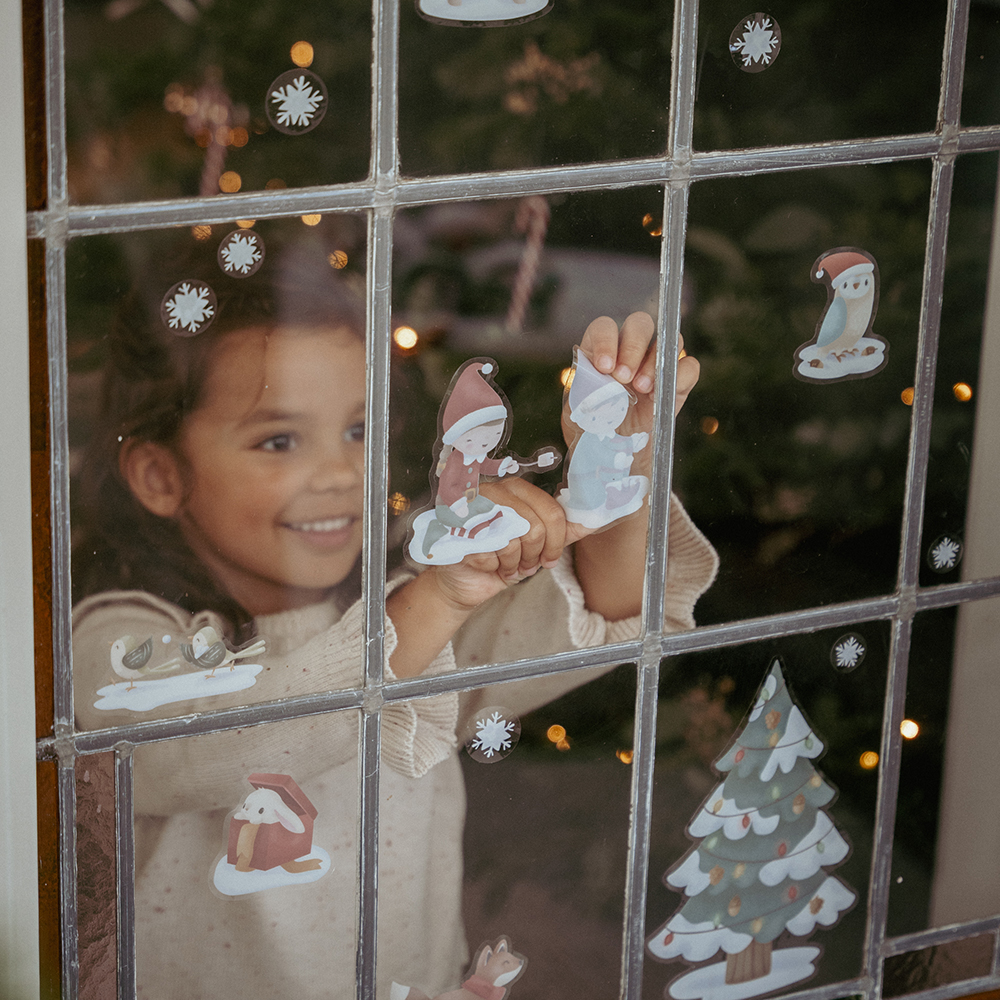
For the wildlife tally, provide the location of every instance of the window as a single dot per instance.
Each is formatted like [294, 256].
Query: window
[518, 179]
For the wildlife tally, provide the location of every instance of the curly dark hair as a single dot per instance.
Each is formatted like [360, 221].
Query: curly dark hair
[153, 379]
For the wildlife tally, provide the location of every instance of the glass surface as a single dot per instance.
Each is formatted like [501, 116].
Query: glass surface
[704, 718]
[940, 965]
[581, 82]
[941, 868]
[190, 450]
[961, 484]
[546, 833]
[164, 100]
[798, 484]
[980, 100]
[247, 859]
[97, 876]
[828, 79]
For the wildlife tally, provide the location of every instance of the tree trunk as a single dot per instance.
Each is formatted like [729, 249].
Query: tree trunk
[751, 963]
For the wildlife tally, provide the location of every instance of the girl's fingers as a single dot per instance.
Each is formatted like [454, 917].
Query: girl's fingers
[634, 341]
[546, 537]
[688, 370]
[600, 344]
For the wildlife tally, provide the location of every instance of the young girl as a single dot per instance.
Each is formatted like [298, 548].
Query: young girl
[224, 487]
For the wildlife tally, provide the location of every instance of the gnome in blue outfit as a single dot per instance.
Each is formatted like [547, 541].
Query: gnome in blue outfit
[599, 489]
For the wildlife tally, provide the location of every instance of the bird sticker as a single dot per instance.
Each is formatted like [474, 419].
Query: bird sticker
[844, 346]
[208, 651]
[130, 659]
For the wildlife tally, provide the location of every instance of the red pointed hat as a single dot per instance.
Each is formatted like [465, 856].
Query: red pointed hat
[473, 401]
[844, 263]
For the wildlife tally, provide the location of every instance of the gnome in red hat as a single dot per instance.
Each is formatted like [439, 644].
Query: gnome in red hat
[474, 421]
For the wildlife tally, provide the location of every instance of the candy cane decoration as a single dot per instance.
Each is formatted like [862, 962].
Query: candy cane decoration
[532, 218]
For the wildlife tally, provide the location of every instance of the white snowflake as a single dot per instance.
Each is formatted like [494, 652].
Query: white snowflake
[944, 555]
[849, 652]
[757, 43]
[189, 308]
[241, 253]
[298, 102]
[492, 734]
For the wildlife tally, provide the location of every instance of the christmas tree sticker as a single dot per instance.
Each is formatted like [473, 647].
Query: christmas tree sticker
[760, 865]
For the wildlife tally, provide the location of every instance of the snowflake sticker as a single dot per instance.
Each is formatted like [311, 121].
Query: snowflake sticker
[491, 735]
[848, 652]
[296, 102]
[755, 43]
[945, 554]
[188, 307]
[241, 253]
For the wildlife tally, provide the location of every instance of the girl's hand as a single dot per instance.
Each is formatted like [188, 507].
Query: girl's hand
[480, 576]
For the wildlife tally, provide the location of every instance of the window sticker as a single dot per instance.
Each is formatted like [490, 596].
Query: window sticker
[492, 734]
[763, 848]
[184, 675]
[482, 13]
[844, 346]
[945, 553]
[270, 840]
[755, 43]
[188, 307]
[599, 489]
[296, 102]
[241, 253]
[848, 652]
[495, 968]
[473, 423]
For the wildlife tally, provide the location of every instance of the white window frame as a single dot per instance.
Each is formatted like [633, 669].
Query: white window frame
[380, 195]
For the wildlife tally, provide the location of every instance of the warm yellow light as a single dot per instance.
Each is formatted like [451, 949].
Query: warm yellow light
[869, 760]
[909, 729]
[239, 136]
[406, 337]
[223, 135]
[651, 224]
[201, 232]
[203, 138]
[709, 425]
[555, 733]
[230, 182]
[625, 756]
[563, 745]
[566, 377]
[398, 503]
[302, 54]
[338, 259]
[312, 220]
[174, 98]
[246, 223]
[907, 396]
[189, 105]
[275, 184]
[963, 391]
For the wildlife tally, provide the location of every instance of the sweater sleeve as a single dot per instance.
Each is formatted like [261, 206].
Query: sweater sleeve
[548, 614]
[205, 772]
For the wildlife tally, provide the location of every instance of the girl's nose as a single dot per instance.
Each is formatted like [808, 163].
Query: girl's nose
[337, 471]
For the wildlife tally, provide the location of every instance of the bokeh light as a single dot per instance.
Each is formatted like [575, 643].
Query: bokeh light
[275, 184]
[709, 425]
[556, 733]
[230, 182]
[563, 745]
[909, 729]
[651, 223]
[246, 223]
[302, 54]
[239, 136]
[566, 377]
[201, 232]
[962, 391]
[406, 337]
[312, 220]
[398, 503]
[869, 760]
[625, 756]
[907, 396]
[338, 260]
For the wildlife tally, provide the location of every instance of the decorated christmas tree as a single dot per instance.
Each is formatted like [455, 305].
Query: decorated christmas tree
[764, 846]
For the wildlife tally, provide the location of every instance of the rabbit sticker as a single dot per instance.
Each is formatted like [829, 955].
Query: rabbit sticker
[270, 839]
[496, 967]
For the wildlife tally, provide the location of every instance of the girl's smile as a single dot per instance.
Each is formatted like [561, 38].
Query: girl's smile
[272, 464]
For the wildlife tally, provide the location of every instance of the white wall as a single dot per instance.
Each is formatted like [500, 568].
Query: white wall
[18, 863]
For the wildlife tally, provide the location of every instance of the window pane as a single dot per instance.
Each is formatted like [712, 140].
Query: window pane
[544, 848]
[741, 841]
[175, 99]
[980, 101]
[206, 504]
[579, 83]
[246, 861]
[798, 481]
[813, 74]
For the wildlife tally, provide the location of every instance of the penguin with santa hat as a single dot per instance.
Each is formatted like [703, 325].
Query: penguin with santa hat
[474, 421]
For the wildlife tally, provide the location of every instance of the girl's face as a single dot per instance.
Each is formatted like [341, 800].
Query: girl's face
[273, 465]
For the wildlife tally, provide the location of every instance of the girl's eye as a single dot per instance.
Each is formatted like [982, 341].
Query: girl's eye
[356, 432]
[279, 442]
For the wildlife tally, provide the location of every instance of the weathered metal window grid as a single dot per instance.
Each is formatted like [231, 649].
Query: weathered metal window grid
[380, 196]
